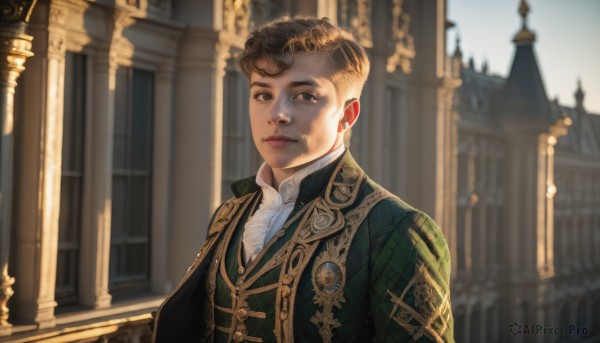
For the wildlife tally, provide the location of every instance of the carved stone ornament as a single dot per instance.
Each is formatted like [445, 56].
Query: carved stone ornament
[402, 43]
[355, 14]
[57, 44]
[13, 53]
[14, 11]
[58, 15]
[6, 292]
[236, 16]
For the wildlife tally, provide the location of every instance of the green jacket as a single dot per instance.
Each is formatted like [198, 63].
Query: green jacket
[351, 263]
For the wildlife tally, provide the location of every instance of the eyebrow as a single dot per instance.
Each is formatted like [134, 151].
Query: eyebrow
[292, 84]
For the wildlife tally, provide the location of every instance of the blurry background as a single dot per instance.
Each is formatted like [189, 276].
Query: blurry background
[566, 45]
[130, 124]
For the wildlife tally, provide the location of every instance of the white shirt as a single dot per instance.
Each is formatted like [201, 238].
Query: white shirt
[275, 206]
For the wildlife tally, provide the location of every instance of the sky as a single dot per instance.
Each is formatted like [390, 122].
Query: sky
[567, 41]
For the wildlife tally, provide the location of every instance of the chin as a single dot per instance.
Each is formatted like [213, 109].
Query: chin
[283, 161]
[281, 164]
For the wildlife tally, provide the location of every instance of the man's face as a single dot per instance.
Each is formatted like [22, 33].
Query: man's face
[295, 116]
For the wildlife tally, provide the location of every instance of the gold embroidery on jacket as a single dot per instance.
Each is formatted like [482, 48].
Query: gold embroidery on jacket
[228, 217]
[299, 251]
[431, 312]
[343, 187]
[241, 291]
[324, 221]
[329, 270]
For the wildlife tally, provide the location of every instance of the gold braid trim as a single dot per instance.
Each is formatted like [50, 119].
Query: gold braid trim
[329, 269]
[323, 219]
[431, 313]
[229, 219]
[344, 185]
[298, 253]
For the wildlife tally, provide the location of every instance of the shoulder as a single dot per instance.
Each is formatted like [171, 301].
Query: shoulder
[395, 227]
[392, 213]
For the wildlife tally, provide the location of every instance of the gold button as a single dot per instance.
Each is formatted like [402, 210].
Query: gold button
[242, 314]
[283, 315]
[280, 233]
[241, 270]
[241, 282]
[287, 279]
[238, 336]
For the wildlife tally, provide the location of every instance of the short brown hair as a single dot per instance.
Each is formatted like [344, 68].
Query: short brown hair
[279, 39]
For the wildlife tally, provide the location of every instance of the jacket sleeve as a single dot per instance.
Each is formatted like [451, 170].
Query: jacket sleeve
[409, 281]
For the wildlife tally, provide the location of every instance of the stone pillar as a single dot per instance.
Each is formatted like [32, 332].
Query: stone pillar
[95, 236]
[196, 164]
[377, 103]
[15, 48]
[39, 168]
[431, 137]
[162, 176]
[95, 249]
[197, 147]
[529, 244]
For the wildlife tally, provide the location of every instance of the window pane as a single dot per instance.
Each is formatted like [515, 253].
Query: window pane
[120, 209]
[67, 272]
[122, 127]
[141, 120]
[140, 206]
[130, 236]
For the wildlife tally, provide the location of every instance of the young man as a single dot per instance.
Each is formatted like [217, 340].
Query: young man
[310, 249]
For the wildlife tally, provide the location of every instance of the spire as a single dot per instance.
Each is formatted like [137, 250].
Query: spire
[458, 52]
[579, 94]
[485, 67]
[524, 93]
[524, 36]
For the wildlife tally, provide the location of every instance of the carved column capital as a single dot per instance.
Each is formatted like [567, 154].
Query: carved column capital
[58, 15]
[14, 50]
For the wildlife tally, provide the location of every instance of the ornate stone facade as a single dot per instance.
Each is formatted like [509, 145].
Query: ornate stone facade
[527, 213]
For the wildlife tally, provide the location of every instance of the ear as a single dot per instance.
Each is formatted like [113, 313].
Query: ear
[351, 112]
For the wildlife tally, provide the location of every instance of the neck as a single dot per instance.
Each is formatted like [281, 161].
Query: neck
[280, 174]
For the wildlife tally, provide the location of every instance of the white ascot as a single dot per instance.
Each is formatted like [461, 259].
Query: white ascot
[275, 206]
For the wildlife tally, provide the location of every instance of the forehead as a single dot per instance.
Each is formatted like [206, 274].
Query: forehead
[312, 66]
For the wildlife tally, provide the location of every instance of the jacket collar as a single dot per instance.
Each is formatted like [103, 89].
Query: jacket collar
[333, 181]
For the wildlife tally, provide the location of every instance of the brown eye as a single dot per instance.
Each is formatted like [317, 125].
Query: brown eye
[305, 96]
[262, 96]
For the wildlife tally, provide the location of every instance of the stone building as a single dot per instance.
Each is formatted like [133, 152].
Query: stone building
[528, 206]
[130, 123]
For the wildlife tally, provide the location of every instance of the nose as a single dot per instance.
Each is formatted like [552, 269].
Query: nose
[280, 113]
